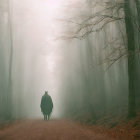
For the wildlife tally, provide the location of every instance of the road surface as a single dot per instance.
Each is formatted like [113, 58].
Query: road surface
[49, 130]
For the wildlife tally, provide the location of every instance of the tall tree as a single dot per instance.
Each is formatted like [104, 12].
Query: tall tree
[9, 89]
[97, 21]
[131, 58]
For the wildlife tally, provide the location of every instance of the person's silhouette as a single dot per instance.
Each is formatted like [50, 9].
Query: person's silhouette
[46, 105]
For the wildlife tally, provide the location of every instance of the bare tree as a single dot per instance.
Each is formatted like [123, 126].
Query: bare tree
[114, 11]
[131, 58]
[9, 89]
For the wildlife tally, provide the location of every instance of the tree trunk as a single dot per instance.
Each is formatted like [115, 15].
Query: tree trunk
[131, 59]
[9, 90]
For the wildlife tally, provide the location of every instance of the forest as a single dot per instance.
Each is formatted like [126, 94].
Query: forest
[86, 54]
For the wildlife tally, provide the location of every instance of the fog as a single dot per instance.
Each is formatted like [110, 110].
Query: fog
[46, 56]
[36, 28]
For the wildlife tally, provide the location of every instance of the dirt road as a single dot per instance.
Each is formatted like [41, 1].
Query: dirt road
[49, 130]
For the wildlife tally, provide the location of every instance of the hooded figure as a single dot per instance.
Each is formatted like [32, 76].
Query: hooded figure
[46, 106]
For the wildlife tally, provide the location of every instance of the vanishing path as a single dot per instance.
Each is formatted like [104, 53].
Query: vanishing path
[49, 130]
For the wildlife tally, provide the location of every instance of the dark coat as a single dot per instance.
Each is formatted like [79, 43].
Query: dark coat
[46, 104]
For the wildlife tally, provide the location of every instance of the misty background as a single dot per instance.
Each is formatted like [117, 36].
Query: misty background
[46, 55]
